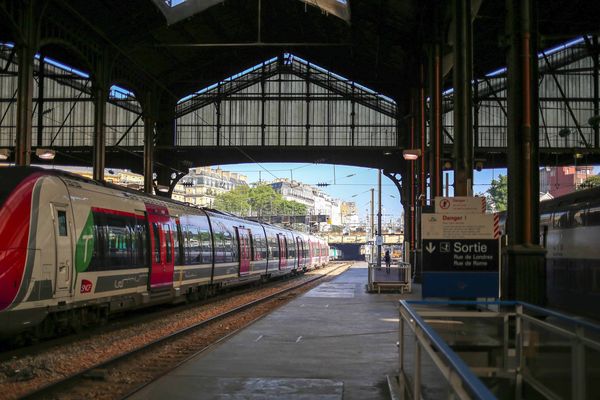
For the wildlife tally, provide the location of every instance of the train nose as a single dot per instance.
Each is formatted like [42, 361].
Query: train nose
[14, 236]
[11, 271]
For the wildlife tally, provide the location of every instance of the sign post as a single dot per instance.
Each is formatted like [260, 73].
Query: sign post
[461, 249]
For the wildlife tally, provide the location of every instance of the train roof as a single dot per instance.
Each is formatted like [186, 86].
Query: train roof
[579, 196]
[13, 175]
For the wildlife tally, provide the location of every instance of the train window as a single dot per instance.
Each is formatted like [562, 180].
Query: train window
[178, 245]
[273, 246]
[259, 247]
[62, 223]
[138, 243]
[118, 241]
[167, 233]
[593, 216]
[291, 248]
[206, 246]
[156, 234]
[561, 219]
[578, 218]
[228, 247]
[191, 244]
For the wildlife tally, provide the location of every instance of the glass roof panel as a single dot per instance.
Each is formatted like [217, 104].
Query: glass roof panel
[177, 10]
[339, 8]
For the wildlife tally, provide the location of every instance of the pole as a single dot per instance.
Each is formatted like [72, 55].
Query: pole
[447, 184]
[373, 213]
[379, 220]
[463, 129]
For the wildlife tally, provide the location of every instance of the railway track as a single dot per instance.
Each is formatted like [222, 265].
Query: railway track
[10, 351]
[124, 374]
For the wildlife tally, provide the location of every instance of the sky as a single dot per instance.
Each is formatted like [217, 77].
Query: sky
[348, 183]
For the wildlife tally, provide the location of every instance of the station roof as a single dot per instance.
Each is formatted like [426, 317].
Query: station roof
[379, 47]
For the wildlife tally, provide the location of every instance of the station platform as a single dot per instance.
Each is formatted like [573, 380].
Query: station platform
[335, 342]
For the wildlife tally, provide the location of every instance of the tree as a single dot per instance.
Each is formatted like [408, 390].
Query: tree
[590, 182]
[234, 201]
[498, 192]
[260, 200]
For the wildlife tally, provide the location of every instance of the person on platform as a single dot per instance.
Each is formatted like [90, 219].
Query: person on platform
[388, 261]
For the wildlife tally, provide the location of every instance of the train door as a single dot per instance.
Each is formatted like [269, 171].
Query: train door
[162, 263]
[243, 236]
[61, 217]
[299, 253]
[282, 251]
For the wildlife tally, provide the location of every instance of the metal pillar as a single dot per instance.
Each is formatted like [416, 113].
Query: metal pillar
[25, 53]
[422, 139]
[372, 212]
[100, 95]
[40, 102]
[463, 67]
[596, 61]
[379, 218]
[435, 120]
[524, 276]
[148, 153]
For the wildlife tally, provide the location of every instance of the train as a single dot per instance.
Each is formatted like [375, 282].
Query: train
[74, 251]
[335, 253]
[569, 231]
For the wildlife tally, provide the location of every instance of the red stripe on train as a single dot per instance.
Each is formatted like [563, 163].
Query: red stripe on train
[15, 217]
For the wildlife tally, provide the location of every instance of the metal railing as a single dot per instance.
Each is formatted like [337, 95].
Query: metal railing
[397, 277]
[528, 350]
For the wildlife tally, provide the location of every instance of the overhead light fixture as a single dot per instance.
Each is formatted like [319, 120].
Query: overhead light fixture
[45, 154]
[387, 153]
[564, 132]
[4, 154]
[162, 188]
[411, 154]
[578, 156]
[479, 165]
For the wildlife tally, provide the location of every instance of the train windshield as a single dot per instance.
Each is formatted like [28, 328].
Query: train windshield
[10, 177]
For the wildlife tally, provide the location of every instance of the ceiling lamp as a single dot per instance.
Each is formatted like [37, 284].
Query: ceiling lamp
[411, 154]
[45, 154]
[4, 154]
[564, 132]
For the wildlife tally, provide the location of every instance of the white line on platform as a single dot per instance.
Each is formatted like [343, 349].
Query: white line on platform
[258, 338]
[299, 338]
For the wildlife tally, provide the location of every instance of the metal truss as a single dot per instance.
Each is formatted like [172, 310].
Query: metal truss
[568, 103]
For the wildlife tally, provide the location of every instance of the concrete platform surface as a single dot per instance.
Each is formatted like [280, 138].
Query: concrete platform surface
[334, 342]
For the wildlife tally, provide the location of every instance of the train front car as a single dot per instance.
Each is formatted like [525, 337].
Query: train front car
[19, 199]
[569, 229]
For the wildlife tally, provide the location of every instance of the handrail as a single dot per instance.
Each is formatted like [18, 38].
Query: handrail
[532, 307]
[471, 381]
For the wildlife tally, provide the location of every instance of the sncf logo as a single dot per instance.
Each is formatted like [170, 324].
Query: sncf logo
[86, 286]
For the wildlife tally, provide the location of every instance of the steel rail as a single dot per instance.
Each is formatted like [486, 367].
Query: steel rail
[46, 390]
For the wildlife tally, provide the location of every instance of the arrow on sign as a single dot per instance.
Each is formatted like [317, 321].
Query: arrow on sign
[430, 248]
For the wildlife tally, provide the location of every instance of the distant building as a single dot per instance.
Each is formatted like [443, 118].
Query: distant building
[317, 202]
[349, 213]
[558, 181]
[203, 184]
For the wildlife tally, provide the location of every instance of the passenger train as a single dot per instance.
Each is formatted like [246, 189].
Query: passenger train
[570, 233]
[73, 251]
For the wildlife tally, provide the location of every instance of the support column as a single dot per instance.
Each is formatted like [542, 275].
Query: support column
[40, 102]
[435, 120]
[100, 95]
[596, 76]
[25, 53]
[148, 153]
[524, 276]
[463, 71]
